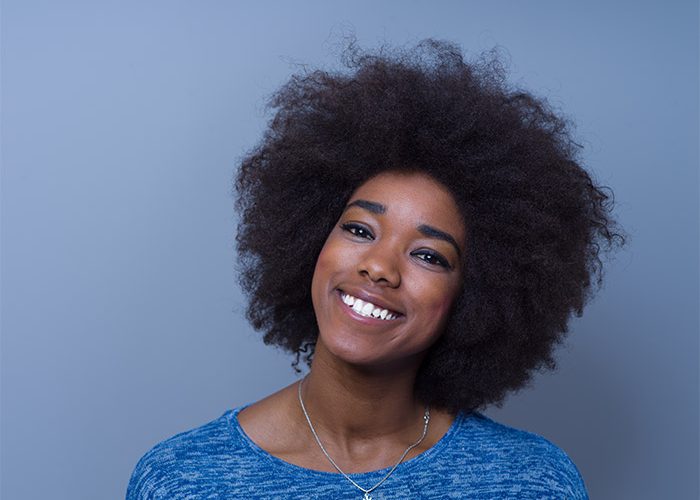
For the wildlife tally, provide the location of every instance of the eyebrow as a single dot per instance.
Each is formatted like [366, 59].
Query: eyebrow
[372, 206]
[432, 232]
[424, 229]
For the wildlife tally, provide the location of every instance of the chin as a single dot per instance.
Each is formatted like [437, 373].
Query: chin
[351, 351]
[362, 355]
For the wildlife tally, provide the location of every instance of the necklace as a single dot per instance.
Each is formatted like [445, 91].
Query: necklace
[366, 491]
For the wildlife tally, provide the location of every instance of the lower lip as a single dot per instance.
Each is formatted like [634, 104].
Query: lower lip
[368, 320]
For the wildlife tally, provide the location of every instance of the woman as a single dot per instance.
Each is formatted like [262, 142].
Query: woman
[419, 234]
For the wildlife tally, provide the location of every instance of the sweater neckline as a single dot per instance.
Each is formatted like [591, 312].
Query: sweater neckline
[407, 465]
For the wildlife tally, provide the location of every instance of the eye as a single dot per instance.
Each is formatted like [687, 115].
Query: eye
[358, 230]
[432, 258]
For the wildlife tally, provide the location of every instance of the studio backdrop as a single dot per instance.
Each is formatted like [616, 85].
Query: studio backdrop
[122, 319]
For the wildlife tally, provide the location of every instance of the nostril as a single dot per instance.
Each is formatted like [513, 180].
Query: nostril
[379, 268]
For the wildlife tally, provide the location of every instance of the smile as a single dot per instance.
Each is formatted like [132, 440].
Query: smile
[367, 309]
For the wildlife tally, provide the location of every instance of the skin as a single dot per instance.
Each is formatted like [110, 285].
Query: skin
[390, 246]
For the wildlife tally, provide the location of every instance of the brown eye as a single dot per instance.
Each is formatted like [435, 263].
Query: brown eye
[432, 258]
[358, 230]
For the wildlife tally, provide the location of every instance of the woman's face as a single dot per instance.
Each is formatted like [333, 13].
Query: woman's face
[389, 271]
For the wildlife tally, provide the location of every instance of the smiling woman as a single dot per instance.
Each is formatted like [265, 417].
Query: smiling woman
[443, 233]
[385, 255]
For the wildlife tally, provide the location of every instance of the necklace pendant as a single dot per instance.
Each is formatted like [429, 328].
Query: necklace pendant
[367, 496]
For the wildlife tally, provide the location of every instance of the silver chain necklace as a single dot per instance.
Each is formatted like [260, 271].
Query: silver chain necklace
[366, 491]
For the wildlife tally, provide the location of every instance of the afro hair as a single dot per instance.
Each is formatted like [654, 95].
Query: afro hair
[536, 221]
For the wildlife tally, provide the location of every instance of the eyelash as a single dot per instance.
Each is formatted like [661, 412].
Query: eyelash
[429, 257]
[354, 229]
[439, 260]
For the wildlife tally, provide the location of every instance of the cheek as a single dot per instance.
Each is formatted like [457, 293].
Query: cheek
[317, 279]
[442, 307]
[437, 305]
[439, 311]
[325, 269]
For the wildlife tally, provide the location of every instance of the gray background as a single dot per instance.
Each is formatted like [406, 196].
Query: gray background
[122, 322]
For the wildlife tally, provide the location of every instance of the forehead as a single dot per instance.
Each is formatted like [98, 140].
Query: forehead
[414, 198]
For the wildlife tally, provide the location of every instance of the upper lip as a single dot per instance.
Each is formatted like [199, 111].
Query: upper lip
[369, 297]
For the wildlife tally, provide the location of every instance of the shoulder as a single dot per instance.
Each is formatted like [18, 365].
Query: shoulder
[172, 467]
[523, 462]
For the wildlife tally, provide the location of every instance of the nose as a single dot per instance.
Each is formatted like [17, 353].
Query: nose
[380, 265]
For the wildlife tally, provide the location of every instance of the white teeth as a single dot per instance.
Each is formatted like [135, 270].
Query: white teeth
[366, 308]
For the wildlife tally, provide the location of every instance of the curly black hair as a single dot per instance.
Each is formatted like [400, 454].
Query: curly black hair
[536, 221]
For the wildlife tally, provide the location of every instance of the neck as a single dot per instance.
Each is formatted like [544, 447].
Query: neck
[354, 403]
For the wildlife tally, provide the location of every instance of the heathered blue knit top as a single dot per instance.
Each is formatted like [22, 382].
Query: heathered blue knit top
[476, 459]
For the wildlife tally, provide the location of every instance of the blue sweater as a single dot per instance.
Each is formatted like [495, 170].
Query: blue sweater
[476, 459]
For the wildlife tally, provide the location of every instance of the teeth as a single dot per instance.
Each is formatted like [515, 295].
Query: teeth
[366, 308]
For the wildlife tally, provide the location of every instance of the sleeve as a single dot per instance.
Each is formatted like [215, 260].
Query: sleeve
[566, 477]
[145, 483]
[543, 470]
